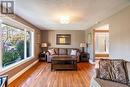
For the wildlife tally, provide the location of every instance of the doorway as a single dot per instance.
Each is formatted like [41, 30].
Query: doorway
[101, 42]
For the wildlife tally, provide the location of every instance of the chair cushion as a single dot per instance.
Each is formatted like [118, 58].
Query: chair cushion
[106, 83]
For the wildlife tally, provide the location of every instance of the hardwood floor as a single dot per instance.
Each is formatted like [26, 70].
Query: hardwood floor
[41, 75]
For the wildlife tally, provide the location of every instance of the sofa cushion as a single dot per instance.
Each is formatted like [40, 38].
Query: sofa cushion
[69, 51]
[66, 56]
[61, 56]
[113, 70]
[52, 56]
[106, 83]
[62, 51]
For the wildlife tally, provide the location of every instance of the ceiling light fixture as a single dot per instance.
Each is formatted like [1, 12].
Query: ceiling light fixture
[64, 19]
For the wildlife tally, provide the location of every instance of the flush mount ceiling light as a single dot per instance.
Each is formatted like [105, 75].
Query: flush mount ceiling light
[64, 19]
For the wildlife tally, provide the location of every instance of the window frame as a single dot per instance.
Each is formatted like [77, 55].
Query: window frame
[0, 46]
[26, 59]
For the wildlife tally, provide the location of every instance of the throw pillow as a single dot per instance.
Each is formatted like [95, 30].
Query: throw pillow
[118, 71]
[73, 52]
[128, 71]
[113, 70]
[104, 69]
[56, 51]
[52, 52]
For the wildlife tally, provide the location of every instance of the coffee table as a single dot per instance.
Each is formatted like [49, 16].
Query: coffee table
[63, 63]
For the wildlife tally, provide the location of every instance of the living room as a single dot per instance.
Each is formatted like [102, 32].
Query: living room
[63, 43]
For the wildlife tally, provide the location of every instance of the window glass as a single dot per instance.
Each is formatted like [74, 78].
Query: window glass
[29, 43]
[12, 45]
[16, 45]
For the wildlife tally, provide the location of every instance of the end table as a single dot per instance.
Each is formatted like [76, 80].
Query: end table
[42, 56]
[84, 57]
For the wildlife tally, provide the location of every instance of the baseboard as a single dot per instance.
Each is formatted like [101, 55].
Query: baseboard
[21, 72]
[91, 61]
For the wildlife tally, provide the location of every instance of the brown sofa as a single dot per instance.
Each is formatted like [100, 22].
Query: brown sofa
[62, 52]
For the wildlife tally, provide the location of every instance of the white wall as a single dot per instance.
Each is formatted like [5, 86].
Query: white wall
[77, 36]
[119, 34]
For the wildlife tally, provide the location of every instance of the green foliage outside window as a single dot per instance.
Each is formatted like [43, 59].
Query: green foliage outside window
[9, 57]
[20, 49]
[12, 56]
[13, 40]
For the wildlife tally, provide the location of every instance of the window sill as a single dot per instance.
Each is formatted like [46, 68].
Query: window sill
[12, 66]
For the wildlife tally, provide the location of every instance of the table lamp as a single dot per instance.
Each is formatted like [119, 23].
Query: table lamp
[83, 45]
[43, 45]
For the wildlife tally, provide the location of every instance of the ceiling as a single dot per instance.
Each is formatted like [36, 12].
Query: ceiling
[83, 13]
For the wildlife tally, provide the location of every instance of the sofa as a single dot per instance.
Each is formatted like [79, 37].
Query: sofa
[62, 52]
[96, 81]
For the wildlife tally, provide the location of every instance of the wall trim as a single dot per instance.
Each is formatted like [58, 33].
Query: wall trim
[21, 72]
[91, 61]
[12, 66]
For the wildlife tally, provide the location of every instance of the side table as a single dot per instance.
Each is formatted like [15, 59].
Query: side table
[42, 56]
[84, 57]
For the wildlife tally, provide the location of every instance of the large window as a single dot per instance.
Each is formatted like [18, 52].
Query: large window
[29, 43]
[16, 44]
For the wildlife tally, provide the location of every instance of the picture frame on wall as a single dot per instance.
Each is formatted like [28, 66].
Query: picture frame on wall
[63, 39]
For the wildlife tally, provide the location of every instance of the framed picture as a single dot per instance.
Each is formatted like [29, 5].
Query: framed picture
[63, 39]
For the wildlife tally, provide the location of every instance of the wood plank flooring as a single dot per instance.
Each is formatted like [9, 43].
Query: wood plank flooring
[41, 75]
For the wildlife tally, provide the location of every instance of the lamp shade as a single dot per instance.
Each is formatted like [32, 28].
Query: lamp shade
[83, 44]
[44, 45]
